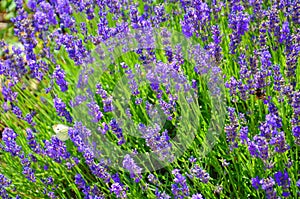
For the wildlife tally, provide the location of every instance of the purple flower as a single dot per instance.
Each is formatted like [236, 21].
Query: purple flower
[268, 186]
[79, 181]
[197, 196]
[231, 129]
[255, 182]
[29, 118]
[79, 99]
[8, 94]
[239, 23]
[179, 187]
[59, 76]
[29, 173]
[159, 143]
[244, 135]
[132, 167]
[278, 140]
[61, 110]
[100, 170]
[160, 15]
[81, 184]
[259, 147]
[282, 179]
[78, 135]
[51, 195]
[278, 79]
[162, 195]
[17, 111]
[94, 111]
[9, 139]
[117, 131]
[89, 156]
[32, 4]
[199, 173]
[285, 32]
[192, 159]
[215, 48]
[153, 179]
[104, 128]
[35, 147]
[116, 178]
[100, 91]
[119, 190]
[56, 149]
[4, 183]
[107, 104]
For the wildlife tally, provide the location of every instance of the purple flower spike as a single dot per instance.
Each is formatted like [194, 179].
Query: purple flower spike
[133, 168]
[59, 76]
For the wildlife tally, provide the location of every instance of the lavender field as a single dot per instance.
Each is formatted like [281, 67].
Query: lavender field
[150, 99]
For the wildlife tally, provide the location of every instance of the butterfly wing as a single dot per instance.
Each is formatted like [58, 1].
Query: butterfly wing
[61, 131]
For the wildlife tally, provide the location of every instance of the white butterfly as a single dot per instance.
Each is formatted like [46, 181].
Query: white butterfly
[61, 131]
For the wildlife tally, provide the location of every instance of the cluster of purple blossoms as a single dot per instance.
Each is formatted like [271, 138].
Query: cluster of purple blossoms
[197, 196]
[79, 99]
[17, 111]
[131, 81]
[153, 179]
[214, 47]
[59, 76]
[61, 110]
[94, 111]
[270, 129]
[168, 108]
[104, 129]
[78, 135]
[73, 46]
[259, 147]
[8, 94]
[239, 23]
[232, 85]
[13, 66]
[4, 182]
[251, 79]
[278, 82]
[19, 114]
[33, 28]
[34, 146]
[56, 149]
[295, 121]
[119, 190]
[231, 130]
[88, 191]
[9, 139]
[133, 168]
[29, 173]
[106, 100]
[179, 188]
[118, 187]
[283, 180]
[159, 143]
[197, 172]
[159, 15]
[266, 184]
[117, 131]
[196, 18]
[161, 195]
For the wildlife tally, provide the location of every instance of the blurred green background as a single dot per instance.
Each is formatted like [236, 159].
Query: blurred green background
[7, 11]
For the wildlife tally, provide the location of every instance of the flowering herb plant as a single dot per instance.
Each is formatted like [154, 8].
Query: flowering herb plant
[151, 99]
